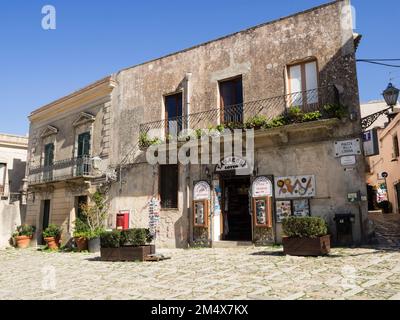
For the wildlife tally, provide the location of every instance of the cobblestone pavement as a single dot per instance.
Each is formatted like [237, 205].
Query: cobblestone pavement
[228, 274]
[387, 229]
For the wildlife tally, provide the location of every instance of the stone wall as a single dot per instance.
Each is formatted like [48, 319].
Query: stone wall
[10, 218]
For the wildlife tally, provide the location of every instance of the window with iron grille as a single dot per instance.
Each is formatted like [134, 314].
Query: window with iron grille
[231, 94]
[303, 83]
[168, 182]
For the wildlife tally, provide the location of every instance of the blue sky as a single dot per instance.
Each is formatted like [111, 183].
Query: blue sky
[96, 38]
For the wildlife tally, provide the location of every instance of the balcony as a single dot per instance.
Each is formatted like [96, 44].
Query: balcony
[62, 170]
[312, 105]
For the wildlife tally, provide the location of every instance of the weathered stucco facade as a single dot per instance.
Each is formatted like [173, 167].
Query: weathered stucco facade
[261, 56]
[13, 153]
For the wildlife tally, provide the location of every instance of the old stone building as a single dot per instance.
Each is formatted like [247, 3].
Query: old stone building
[13, 153]
[293, 80]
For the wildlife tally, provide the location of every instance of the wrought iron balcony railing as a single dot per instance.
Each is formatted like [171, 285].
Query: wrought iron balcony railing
[62, 170]
[270, 108]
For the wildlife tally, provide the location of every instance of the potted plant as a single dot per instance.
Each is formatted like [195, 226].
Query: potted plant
[95, 214]
[52, 236]
[305, 236]
[126, 245]
[23, 236]
[81, 234]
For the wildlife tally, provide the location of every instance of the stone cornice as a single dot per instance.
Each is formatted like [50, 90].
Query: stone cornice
[13, 141]
[93, 92]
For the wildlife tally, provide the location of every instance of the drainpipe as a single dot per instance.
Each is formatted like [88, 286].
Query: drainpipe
[188, 90]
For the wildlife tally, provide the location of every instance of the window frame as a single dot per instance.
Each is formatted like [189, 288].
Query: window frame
[166, 125]
[160, 189]
[302, 64]
[396, 146]
[222, 105]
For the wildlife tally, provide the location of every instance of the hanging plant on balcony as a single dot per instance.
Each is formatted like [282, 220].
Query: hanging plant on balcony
[256, 122]
[145, 141]
[335, 111]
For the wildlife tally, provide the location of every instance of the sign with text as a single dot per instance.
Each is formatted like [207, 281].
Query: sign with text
[201, 191]
[262, 187]
[347, 148]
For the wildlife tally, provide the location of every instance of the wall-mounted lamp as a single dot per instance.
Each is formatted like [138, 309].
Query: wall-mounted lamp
[353, 116]
[207, 172]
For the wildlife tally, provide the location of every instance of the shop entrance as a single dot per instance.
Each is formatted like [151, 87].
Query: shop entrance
[236, 220]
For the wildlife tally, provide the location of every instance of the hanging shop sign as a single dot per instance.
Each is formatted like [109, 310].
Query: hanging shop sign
[295, 187]
[347, 148]
[370, 143]
[201, 191]
[231, 163]
[262, 187]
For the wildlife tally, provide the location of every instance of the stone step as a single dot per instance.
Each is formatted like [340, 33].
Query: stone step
[232, 244]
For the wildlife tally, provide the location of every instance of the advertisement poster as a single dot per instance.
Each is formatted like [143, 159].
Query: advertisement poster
[283, 210]
[301, 208]
[295, 187]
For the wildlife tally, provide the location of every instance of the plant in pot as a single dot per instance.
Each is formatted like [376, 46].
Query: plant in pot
[81, 234]
[95, 214]
[52, 236]
[23, 236]
[305, 236]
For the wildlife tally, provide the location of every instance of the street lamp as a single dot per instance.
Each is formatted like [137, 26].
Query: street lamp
[391, 95]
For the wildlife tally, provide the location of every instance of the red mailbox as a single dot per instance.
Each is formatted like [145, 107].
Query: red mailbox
[123, 220]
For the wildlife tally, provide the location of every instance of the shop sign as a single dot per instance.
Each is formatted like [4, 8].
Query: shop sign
[295, 187]
[201, 191]
[347, 148]
[231, 163]
[262, 187]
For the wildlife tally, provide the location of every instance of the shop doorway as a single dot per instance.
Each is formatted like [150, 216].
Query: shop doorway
[398, 196]
[236, 220]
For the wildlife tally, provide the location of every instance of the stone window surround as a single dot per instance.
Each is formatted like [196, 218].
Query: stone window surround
[84, 123]
[48, 136]
[296, 63]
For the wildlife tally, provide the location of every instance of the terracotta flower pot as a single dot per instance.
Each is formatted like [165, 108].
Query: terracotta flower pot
[23, 242]
[52, 243]
[81, 243]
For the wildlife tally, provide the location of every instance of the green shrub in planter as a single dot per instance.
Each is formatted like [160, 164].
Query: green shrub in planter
[52, 231]
[304, 227]
[135, 237]
[110, 239]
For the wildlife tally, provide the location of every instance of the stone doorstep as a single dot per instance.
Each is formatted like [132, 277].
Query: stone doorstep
[232, 244]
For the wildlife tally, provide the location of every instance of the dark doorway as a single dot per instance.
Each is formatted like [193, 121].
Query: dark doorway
[231, 92]
[45, 217]
[79, 201]
[398, 196]
[237, 220]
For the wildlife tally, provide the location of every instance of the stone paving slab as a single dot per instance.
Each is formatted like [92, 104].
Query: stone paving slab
[227, 274]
